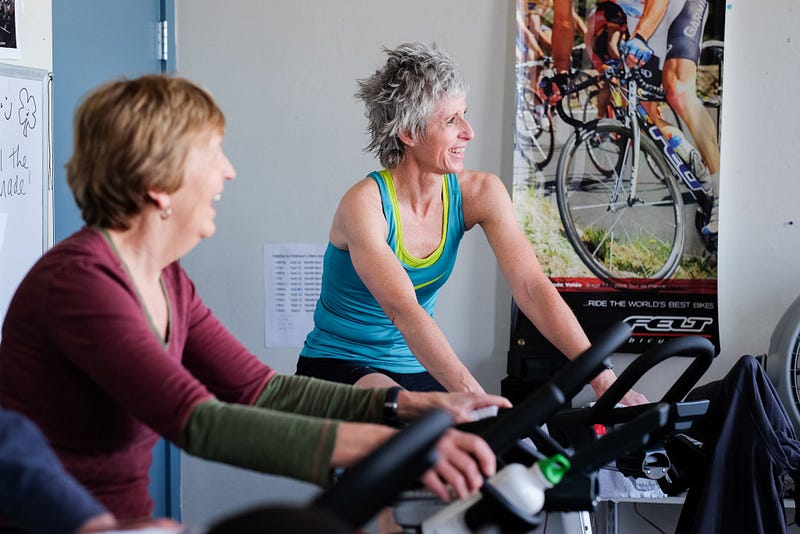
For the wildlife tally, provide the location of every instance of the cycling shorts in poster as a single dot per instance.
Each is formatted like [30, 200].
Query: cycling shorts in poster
[616, 182]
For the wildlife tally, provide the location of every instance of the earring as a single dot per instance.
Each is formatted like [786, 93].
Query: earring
[166, 212]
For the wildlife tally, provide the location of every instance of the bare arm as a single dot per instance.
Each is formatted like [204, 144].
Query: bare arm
[613, 44]
[487, 203]
[579, 22]
[359, 226]
[651, 17]
[588, 40]
[541, 35]
[528, 36]
[563, 34]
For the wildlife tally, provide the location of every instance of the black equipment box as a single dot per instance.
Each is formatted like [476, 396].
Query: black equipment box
[532, 360]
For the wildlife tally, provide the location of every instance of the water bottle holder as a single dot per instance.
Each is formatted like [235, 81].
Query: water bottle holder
[494, 509]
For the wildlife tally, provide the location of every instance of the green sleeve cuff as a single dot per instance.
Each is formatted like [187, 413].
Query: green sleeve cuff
[269, 441]
[320, 398]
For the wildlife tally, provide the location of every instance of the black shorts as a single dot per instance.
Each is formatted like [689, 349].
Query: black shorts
[345, 372]
[686, 31]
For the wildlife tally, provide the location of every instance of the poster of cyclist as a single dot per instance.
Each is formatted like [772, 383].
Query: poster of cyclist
[616, 159]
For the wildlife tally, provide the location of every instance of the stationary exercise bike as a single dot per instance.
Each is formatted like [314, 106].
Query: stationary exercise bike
[517, 437]
[636, 438]
[390, 475]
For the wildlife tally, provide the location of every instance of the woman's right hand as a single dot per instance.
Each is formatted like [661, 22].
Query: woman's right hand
[463, 462]
[603, 381]
[462, 459]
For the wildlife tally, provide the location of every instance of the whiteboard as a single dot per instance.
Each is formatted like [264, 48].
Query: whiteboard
[25, 174]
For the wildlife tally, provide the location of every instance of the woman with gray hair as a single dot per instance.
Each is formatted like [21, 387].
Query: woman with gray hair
[395, 236]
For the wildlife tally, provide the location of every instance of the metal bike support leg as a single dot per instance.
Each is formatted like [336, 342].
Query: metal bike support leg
[577, 522]
[610, 509]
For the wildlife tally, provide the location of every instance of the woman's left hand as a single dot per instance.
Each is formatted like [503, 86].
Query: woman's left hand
[460, 405]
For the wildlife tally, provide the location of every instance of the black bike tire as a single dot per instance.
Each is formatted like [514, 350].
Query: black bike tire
[576, 102]
[536, 147]
[563, 183]
[589, 104]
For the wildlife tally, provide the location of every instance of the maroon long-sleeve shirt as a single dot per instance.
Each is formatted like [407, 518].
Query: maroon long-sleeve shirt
[79, 357]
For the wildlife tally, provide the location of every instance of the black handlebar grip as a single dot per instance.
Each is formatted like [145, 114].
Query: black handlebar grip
[396, 465]
[511, 425]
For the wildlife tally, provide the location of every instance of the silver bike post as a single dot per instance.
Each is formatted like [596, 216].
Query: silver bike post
[636, 134]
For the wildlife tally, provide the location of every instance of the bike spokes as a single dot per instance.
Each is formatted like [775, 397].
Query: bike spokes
[623, 229]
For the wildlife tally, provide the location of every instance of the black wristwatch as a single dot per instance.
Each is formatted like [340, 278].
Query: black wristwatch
[390, 415]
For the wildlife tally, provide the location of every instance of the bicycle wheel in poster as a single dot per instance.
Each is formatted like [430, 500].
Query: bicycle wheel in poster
[534, 135]
[576, 102]
[602, 148]
[623, 230]
[590, 108]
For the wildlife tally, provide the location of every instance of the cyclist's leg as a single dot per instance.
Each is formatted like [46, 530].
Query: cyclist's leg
[656, 115]
[680, 74]
[603, 100]
[679, 78]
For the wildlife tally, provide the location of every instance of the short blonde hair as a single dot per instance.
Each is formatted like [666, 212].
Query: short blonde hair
[131, 137]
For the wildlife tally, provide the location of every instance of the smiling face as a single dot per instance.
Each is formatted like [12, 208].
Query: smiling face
[442, 148]
[205, 172]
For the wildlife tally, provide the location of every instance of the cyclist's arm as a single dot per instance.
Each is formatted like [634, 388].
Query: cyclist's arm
[530, 39]
[651, 17]
[563, 34]
[578, 21]
[486, 202]
[613, 44]
[541, 36]
[588, 40]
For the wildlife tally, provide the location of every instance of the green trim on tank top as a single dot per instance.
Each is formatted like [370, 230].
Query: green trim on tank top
[402, 254]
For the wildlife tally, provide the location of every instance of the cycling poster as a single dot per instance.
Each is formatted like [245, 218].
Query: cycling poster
[616, 161]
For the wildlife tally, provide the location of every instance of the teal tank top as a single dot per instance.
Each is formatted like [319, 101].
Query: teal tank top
[348, 322]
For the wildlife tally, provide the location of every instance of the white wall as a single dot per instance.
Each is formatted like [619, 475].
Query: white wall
[35, 35]
[284, 73]
[759, 244]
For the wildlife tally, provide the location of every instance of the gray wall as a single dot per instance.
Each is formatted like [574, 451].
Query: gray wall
[284, 71]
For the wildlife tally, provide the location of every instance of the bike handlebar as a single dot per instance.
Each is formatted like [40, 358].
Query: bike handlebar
[629, 437]
[700, 349]
[647, 90]
[644, 89]
[547, 399]
[393, 467]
